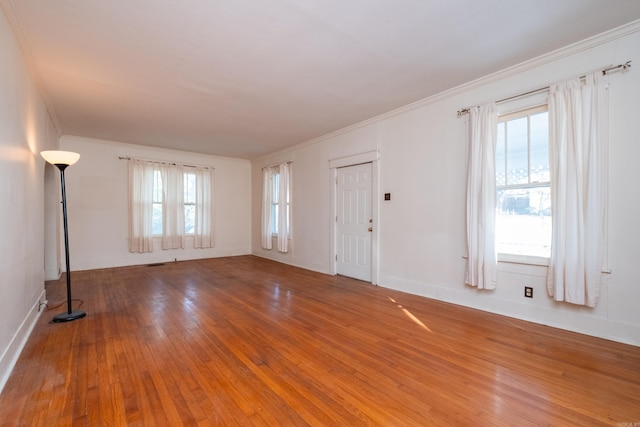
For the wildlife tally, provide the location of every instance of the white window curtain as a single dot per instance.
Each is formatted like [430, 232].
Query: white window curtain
[283, 207]
[481, 198]
[140, 205]
[578, 123]
[267, 195]
[173, 205]
[204, 209]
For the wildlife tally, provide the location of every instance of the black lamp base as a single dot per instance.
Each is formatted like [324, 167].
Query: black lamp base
[68, 317]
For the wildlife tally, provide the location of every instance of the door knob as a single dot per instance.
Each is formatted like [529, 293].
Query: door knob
[370, 229]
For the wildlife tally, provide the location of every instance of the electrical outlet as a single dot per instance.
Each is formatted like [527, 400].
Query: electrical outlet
[528, 292]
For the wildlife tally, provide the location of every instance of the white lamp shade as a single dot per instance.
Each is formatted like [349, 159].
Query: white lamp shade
[57, 157]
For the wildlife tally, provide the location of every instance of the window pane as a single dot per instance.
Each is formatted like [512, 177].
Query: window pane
[275, 205]
[500, 156]
[523, 211]
[276, 187]
[517, 152]
[189, 219]
[523, 221]
[157, 187]
[540, 147]
[189, 202]
[275, 182]
[274, 219]
[156, 219]
[189, 187]
[156, 214]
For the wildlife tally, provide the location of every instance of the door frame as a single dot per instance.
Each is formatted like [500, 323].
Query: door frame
[372, 157]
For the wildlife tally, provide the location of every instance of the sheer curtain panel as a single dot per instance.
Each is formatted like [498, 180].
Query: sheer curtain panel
[140, 205]
[267, 196]
[481, 198]
[203, 233]
[578, 123]
[283, 207]
[173, 205]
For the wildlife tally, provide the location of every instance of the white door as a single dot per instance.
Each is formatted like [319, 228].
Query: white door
[354, 221]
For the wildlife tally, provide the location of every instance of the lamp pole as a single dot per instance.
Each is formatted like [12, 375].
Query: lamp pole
[63, 159]
[70, 314]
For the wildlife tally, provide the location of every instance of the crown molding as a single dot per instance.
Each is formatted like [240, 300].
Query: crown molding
[555, 55]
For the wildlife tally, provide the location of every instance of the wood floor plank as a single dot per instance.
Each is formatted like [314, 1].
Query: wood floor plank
[244, 341]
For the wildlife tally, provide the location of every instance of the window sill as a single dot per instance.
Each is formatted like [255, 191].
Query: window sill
[523, 259]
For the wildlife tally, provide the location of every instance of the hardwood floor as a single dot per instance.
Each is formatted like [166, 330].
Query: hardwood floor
[246, 341]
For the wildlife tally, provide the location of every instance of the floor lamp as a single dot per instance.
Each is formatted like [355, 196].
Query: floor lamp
[63, 159]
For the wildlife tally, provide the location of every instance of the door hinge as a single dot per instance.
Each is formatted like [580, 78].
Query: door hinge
[336, 257]
[336, 218]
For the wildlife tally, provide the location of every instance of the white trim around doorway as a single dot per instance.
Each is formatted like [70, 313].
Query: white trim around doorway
[372, 157]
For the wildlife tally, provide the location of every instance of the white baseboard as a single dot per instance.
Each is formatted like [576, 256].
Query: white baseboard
[12, 353]
[273, 255]
[556, 318]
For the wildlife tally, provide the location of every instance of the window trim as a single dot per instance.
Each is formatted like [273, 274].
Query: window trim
[523, 112]
[508, 258]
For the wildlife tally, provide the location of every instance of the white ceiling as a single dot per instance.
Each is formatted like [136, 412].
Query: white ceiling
[243, 78]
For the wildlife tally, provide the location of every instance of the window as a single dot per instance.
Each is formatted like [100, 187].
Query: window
[523, 215]
[189, 202]
[156, 221]
[189, 182]
[275, 183]
[275, 203]
[168, 201]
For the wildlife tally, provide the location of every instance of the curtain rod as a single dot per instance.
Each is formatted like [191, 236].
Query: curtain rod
[542, 89]
[276, 164]
[167, 162]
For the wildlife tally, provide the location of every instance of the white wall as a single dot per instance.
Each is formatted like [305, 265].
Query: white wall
[422, 164]
[97, 199]
[25, 130]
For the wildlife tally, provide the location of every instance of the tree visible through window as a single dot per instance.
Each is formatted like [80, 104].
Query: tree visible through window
[523, 216]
